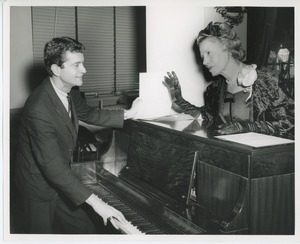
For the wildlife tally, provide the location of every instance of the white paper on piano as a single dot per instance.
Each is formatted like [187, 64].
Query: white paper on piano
[255, 139]
[154, 97]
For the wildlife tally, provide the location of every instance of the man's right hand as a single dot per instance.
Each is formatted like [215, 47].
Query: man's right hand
[106, 211]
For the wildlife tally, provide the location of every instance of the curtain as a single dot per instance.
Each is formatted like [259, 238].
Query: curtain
[260, 29]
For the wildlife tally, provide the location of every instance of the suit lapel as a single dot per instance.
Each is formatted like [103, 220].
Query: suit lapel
[61, 110]
[74, 114]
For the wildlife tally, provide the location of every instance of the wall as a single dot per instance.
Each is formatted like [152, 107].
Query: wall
[210, 14]
[171, 32]
[21, 55]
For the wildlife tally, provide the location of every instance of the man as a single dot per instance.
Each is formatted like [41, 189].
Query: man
[48, 133]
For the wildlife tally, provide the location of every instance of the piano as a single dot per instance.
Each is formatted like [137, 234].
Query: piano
[175, 177]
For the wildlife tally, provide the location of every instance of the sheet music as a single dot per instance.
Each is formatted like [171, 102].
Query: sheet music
[255, 139]
[155, 98]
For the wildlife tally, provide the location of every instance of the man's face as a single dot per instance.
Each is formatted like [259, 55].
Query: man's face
[72, 69]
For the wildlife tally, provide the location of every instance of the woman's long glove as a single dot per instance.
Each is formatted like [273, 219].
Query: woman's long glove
[106, 211]
[178, 103]
[243, 127]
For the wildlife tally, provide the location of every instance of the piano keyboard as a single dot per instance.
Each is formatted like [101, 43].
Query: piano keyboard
[128, 228]
[136, 222]
[145, 213]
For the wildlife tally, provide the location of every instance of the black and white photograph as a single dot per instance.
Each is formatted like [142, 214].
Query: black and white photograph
[162, 121]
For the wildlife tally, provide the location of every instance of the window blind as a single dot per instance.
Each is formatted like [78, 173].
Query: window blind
[109, 35]
[96, 32]
[126, 49]
[49, 22]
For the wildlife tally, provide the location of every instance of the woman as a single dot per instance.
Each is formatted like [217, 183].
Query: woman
[241, 98]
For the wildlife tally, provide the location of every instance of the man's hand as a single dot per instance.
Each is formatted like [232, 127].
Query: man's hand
[106, 211]
[133, 111]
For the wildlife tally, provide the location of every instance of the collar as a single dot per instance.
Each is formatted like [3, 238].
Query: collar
[57, 90]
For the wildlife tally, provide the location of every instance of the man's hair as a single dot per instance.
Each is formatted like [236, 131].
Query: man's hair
[56, 49]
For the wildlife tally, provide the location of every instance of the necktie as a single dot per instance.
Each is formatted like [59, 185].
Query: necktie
[70, 109]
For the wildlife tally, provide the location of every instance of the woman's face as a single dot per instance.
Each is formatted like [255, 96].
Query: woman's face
[214, 55]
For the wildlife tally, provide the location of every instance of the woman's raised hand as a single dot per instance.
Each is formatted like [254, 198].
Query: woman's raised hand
[171, 81]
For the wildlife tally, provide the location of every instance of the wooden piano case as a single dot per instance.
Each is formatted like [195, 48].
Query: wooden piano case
[200, 184]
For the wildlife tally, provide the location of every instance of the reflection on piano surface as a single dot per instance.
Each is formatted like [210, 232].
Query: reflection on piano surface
[169, 178]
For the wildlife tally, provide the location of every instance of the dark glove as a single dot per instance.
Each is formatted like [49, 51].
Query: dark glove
[230, 128]
[243, 127]
[172, 83]
[206, 116]
[178, 103]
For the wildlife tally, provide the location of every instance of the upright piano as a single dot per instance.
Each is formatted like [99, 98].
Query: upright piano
[174, 177]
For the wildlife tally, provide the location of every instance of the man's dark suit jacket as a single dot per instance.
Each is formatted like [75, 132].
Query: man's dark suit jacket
[47, 140]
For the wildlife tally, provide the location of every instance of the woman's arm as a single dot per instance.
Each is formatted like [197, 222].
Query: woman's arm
[179, 104]
[273, 110]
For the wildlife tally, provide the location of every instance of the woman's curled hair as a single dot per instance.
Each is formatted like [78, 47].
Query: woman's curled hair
[226, 35]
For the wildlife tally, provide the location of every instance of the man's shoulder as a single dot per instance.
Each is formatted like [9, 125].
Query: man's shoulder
[38, 99]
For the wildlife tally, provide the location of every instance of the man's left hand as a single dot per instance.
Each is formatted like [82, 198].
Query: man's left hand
[133, 111]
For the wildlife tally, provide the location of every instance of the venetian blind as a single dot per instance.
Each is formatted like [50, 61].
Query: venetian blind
[126, 49]
[96, 32]
[49, 22]
[109, 35]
